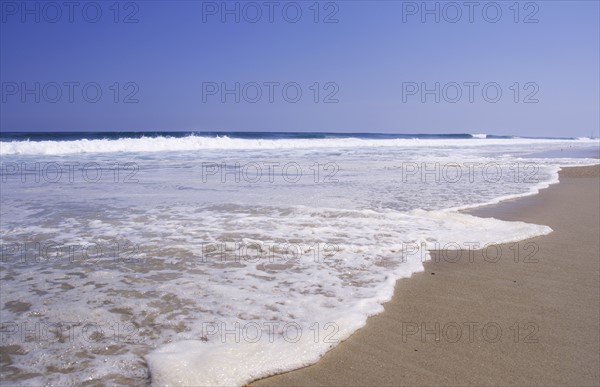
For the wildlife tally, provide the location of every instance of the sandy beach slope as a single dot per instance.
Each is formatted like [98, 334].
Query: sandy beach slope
[528, 315]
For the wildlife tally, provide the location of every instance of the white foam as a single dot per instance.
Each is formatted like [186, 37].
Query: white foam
[195, 143]
[380, 224]
[373, 250]
[225, 362]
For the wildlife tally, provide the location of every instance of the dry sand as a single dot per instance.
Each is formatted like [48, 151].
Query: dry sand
[547, 309]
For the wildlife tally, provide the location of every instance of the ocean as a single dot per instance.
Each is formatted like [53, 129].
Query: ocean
[216, 258]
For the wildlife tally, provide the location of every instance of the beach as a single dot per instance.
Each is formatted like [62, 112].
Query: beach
[306, 193]
[270, 252]
[526, 313]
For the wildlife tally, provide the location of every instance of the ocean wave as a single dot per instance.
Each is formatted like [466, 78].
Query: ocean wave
[197, 143]
[479, 135]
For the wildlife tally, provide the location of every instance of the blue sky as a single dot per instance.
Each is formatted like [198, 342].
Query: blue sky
[360, 66]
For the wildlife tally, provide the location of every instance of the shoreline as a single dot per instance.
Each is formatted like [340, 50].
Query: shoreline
[528, 313]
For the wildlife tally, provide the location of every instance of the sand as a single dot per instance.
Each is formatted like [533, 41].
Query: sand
[531, 318]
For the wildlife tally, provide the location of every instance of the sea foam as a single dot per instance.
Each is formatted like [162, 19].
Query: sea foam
[195, 143]
[188, 279]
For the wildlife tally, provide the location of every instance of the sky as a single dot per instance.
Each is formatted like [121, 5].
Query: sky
[527, 68]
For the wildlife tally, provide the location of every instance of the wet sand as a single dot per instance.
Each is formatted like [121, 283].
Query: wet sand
[524, 314]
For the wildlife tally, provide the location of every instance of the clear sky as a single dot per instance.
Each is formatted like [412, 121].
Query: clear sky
[361, 66]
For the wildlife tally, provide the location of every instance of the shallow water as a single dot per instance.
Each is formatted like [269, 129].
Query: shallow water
[212, 265]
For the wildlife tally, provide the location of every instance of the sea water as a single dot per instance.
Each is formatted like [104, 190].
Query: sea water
[217, 259]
